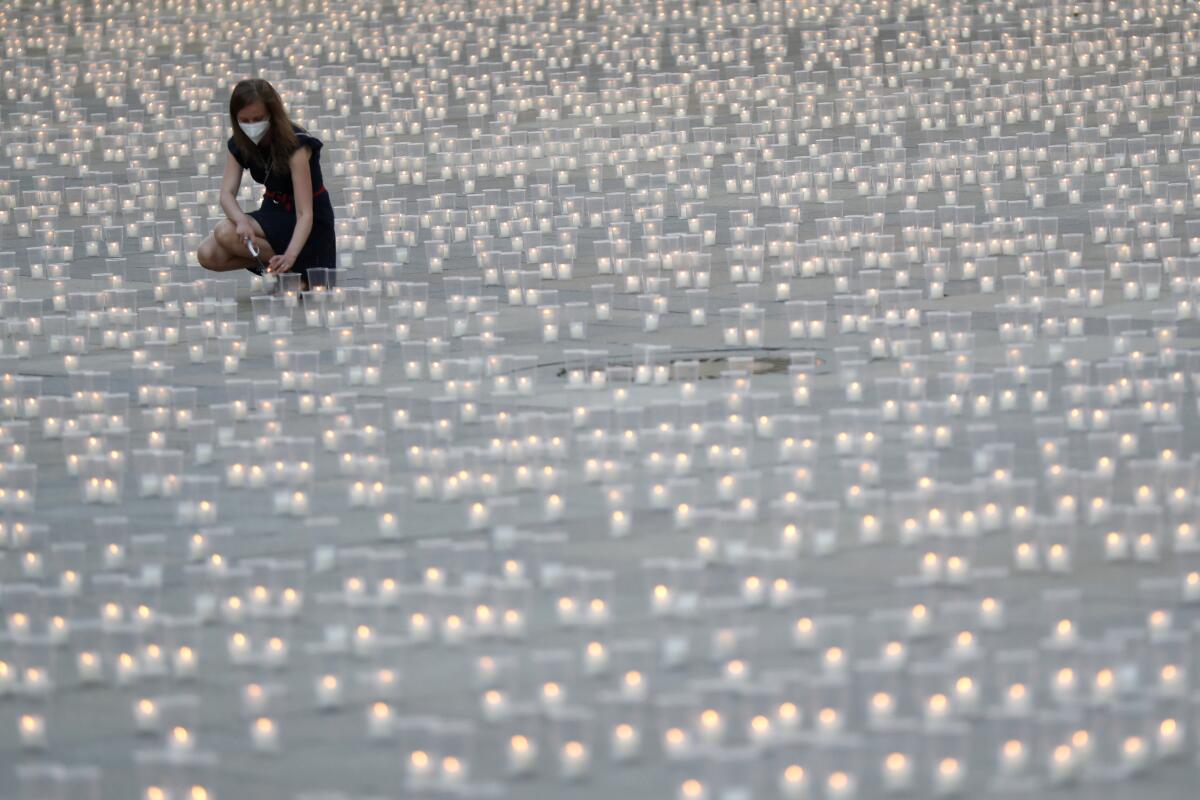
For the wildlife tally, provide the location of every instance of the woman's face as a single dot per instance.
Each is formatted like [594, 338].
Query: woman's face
[255, 112]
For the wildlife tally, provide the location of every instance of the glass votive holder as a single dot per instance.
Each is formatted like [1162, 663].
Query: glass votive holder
[1015, 674]
[522, 737]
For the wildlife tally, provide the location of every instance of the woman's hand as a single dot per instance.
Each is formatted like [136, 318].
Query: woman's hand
[244, 229]
[281, 263]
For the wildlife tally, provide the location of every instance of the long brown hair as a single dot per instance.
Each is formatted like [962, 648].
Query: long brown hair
[279, 142]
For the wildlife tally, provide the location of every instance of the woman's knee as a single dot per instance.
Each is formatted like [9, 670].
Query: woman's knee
[225, 233]
[210, 255]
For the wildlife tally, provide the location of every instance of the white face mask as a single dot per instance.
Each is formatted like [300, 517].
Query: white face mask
[255, 130]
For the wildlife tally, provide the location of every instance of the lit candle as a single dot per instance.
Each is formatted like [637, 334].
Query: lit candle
[1062, 764]
[88, 665]
[949, 778]
[180, 741]
[32, 729]
[522, 755]
[1013, 758]
[966, 694]
[1065, 634]
[1145, 547]
[1058, 558]
[574, 760]
[1135, 754]
[1169, 738]
[264, 735]
[625, 742]
[676, 743]
[919, 620]
[1064, 684]
[804, 633]
[829, 721]
[840, 786]
[931, 566]
[1017, 700]
[145, 715]
[897, 773]
[1104, 685]
[882, 708]
[1191, 587]
[329, 692]
[380, 720]
[1025, 556]
[752, 590]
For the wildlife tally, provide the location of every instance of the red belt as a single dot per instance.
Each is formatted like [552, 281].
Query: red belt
[284, 199]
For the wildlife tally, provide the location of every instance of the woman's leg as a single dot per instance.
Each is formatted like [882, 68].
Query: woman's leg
[223, 250]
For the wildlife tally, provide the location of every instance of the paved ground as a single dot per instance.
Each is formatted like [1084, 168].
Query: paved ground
[529, 595]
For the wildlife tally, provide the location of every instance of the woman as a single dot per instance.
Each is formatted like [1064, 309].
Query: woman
[293, 230]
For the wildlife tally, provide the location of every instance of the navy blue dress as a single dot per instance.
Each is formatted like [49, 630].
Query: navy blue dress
[277, 215]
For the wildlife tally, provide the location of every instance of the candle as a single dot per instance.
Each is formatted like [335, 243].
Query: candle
[522, 755]
[937, 708]
[949, 778]
[380, 720]
[931, 566]
[833, 661]
[145, 715]
[752, 590]
[633, 685]
[1159, 623]
[552, 696]
[676, 743]
[919, 620]
[32, 729]
[1134, 754]
[329, 692]
[1169, 738]
[1191, 587]
[829, 721]
[1145, 547]
[1062, 764]
[183, 662]
[840, 786]
[1064, 633]
[494, 705]
[1013, 758]
[1025, 557]
[1058, 558]
[595, 658]
[180, 741]
[882, 708]
[453, 630]
[897, 773]
[625, 742]
[574, 760]
[966, 694]
[238, 648]
[514, 623]
[1017, 700]
[1172, 680]
[264, 735]
[804, 633]
[1063, 685]
[87, 663]
[1104, 685]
